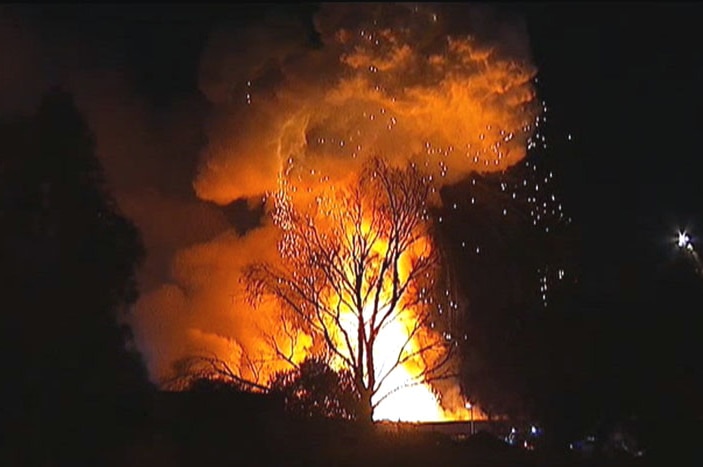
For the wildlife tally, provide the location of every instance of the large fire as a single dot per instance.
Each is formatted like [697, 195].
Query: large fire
[403, 395]
[358, 270]
[405, 83]
[398, 362]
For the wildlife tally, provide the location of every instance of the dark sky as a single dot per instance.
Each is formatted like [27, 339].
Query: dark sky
[623, 79]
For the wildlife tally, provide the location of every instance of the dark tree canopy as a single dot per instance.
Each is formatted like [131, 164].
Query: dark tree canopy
[510, 362]
[68, 273]
[315, 390]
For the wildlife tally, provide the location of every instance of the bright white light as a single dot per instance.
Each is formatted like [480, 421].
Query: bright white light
[684, 241]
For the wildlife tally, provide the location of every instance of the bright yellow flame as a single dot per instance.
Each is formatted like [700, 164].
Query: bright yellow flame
[401, 396]
[403, 350]
[410, 401]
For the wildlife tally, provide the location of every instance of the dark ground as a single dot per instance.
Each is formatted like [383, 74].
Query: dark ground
[182, 430]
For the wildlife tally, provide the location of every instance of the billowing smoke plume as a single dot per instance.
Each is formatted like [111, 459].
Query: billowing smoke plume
[149, 154]
[384, 81]
[448, 89]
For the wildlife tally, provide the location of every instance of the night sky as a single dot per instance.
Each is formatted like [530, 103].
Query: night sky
[625, 81]
[622, 83]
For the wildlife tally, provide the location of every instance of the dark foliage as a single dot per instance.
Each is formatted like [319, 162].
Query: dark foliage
[209, 386]
[314, 390]
[508, 334]
[68, 262]
[208, 371]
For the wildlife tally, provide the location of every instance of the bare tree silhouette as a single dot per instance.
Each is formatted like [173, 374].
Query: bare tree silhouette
[357, 265]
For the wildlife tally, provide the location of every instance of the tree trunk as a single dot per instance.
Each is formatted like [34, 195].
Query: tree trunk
[366, 408]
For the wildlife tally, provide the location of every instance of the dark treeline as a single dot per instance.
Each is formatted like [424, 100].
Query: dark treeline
[614, 349]
[68, 257]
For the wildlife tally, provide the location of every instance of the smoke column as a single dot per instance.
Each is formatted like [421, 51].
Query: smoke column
[449, 89]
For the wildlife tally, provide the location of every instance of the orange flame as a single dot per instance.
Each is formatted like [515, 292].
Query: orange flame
[400, 397]
[404, 348]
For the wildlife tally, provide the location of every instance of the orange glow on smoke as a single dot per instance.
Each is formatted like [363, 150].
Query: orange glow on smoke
[395, 81]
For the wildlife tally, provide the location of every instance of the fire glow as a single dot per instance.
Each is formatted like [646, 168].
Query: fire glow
[380, 252]
[395, 82]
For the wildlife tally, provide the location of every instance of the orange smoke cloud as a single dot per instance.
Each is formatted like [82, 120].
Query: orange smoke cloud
[446, 87]
[403, 83]
[376, 87]
[203, 310]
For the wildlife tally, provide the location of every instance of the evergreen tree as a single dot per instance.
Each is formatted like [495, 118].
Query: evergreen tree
[68, 272]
